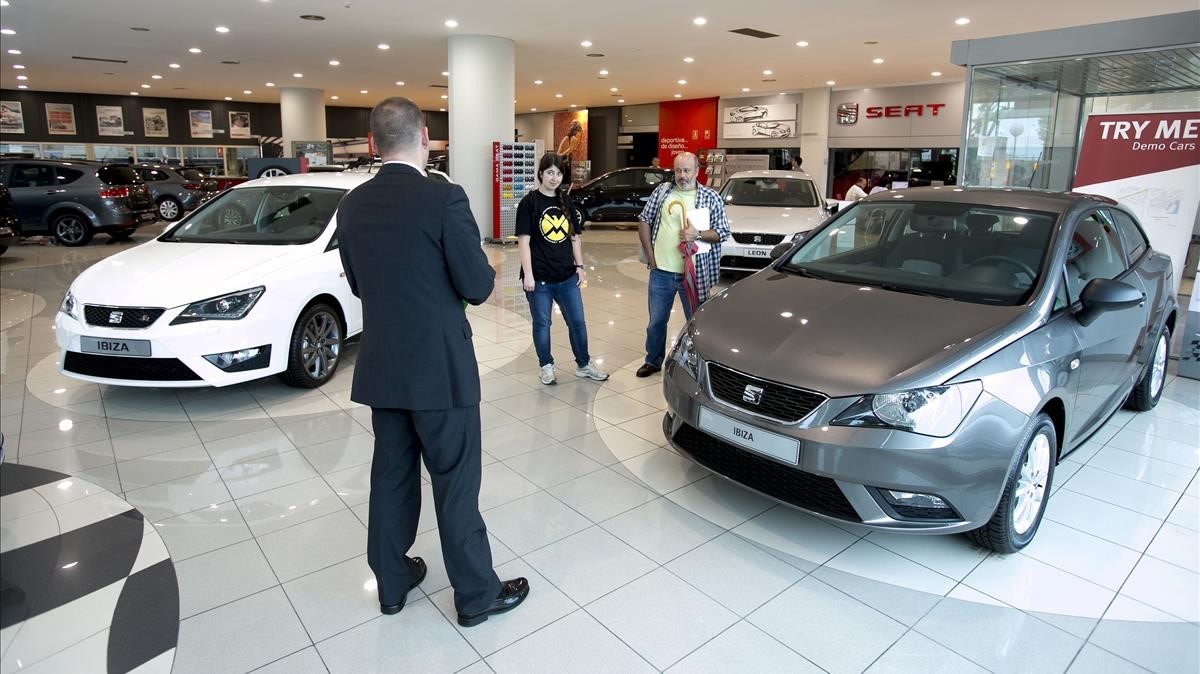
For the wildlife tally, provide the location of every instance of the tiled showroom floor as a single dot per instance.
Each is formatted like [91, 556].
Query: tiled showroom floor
[638, 559]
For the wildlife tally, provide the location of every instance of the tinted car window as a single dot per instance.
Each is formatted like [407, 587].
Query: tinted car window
[32, 175]
[1134, 240]
[115, 174]
[1094, 251]
[764, 191]
[620, 180]
[152, 174]
[190, 174]
[67, 176]
[261, 215]
[652, 178]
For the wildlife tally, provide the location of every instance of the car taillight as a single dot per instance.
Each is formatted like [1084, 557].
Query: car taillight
[191, 186]
[115, 192]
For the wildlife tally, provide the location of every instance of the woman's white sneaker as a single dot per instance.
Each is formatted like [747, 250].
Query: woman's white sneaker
[547, 374]
[590, 371]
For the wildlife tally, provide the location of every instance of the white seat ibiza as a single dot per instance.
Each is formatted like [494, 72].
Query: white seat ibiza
[249, 285]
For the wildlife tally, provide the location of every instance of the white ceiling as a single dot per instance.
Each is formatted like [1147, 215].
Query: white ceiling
[643, 43]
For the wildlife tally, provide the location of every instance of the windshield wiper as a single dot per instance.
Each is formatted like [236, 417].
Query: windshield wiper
[911, 291]
[806, 272]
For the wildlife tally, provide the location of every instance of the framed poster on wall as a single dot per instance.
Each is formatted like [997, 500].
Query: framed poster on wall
[110, 120]
[761, 130]
[239, 125]
[200, 122]
[12, 119]
[60, 119]
[154, 123]
[760, 113]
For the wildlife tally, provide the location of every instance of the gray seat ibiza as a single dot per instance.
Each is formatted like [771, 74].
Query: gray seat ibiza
[924, 359]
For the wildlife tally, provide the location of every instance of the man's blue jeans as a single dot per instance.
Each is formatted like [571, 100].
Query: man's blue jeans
[664, 287]
[570, 302]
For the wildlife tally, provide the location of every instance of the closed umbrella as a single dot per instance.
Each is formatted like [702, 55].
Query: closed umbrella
[691, 291]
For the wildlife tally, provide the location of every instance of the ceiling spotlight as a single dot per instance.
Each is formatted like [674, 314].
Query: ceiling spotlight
[7, 31]
[3, 3]
[962, 21]
[145, 86]
[603, 72]
[441, 109]
[445, 73]
[362, 91]
[620, 100]
[802, 43]
[585, 43]
[768, 72]
[612, 89]
[877, 61]
[558, 95]
[699, 21]
[247, 92]
[297, 75]
[444, 97]
[22, 86]
[399, 84]
[156, 77]
[270, 84]
[688, 59]
[830, 83]
[18, 66]
[936, 73]
[15, 52]
[132, 93]
[333, 98]
[682, 82]
[384, 46]
[22, 78]
[229, 98]
[574, 105]
[538, 82]
[335, 63]
[221, 29]
[745, 89]
[678, 95]
[533, 109]
[451, 23]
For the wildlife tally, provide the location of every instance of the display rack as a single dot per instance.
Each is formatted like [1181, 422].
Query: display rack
[514, 173]
[715, 161]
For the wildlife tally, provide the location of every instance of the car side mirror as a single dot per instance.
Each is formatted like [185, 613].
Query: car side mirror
[780, 250]
[832, 206]
[1101, 295]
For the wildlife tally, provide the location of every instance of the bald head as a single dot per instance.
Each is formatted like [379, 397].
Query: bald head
[398, 127]
[686, 168]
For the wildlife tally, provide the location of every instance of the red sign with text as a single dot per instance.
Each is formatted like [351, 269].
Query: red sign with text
[1135, 144]
[685, 126]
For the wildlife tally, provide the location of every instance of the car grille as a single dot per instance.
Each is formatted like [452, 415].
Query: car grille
[130, 317]
[750, 238]
[124, 367]
[743, 262]
[779, 401]
[792, 486]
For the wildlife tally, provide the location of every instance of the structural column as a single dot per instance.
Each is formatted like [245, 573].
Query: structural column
[482, 72]
[302, 114]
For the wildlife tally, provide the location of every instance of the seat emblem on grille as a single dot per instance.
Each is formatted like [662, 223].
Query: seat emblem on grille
[752, 394]
[116, 316]
[757, 238]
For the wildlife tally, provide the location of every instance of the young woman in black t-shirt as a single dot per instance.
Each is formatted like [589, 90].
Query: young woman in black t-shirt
[548, 230]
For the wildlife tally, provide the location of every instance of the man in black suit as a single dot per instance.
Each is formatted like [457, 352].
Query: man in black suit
[410, 248]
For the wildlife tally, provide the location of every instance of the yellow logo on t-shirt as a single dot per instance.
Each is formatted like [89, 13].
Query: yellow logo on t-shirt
[554, 225]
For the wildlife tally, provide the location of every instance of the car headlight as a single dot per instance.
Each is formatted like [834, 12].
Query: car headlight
[936, 411]
[229, 307]
[69, 306]
[684, 353]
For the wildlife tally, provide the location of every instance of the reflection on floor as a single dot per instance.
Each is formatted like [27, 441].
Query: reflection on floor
[639, 560]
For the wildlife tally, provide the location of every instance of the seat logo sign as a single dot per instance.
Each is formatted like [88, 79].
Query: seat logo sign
[116, 316]
[847, 113]
[753, 394]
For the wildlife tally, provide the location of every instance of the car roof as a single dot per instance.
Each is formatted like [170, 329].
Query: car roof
[343, 180]
[770, 174]
[1000, 197]
[63, 162]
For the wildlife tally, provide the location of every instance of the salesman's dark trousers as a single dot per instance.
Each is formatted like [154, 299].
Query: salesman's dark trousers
[450, 442]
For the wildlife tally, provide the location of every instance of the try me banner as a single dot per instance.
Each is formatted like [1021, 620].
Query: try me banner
[1150, 162]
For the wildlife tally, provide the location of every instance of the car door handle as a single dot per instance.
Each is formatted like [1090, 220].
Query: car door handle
[54, 191]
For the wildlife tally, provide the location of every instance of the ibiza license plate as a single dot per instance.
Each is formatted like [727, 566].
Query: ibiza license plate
[751, 437]
[115, 347]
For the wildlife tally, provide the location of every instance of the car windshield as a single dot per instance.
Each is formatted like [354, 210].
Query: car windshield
[274, 215]
[972, 253]
[766, 191]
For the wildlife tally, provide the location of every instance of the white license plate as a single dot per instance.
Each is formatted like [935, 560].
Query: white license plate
[757, 252]
[751, 437]
[115, 347]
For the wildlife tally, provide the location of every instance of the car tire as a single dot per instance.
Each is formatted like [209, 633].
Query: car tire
[170, 209]
[1026, 492]
[121, 234]
[273, 172]
[1149, 388]
[315, 349]
[71, 229]
[3, 250]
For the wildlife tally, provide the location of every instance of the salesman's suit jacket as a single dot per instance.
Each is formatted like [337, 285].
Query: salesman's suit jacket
[410, 248]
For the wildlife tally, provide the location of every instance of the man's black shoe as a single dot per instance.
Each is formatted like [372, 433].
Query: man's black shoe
[647, 369]
[419, 571]
[512, 593]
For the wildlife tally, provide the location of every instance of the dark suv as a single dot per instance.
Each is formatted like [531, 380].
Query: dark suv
[176, 190]
[72, 200]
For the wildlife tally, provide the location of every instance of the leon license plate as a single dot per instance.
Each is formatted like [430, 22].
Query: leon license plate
[115, 347]
[757, 252]
[751, 437]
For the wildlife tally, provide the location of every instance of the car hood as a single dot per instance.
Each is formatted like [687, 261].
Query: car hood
[841, 339]
[771, 220]
[160, 274]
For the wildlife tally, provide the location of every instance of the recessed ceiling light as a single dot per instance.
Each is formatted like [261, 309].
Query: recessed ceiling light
[15, 52]
[451, 23]
[270, 84]
[7, 31]
[877, 61]
[173, 65]
[441, 109]
[688, 59]
[936, 73]
[3, 3]
[574, 105]
[613, 89]
[247, 92]
[195, 50]
[585, 43]
[362, 91]
[538, 82]
[132, 93]
[699, 21]
[783, 93]
[444, 97]
[22, 78]
[745, 89]
[333, 97]
[620, 100]
[768, 72]
[962, 21]
[830, 83]
[678, 95]
[399, 84]
[297, 75]
[445, 73]
[533, 109]
[18, 66]
[156, 77]
[802, 43]
[384, 46]
[22, 86]
[558, 95]
[145, 86]
[229, 98]
[603, 72]
[222, 29]
[312, 17]
[335, 63]
[681, 81]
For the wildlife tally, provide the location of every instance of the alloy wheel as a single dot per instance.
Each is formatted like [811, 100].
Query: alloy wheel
[70, 229]
[1158, 369]
[168, 210]
[322, 346]
[272, 173]
[1031, 484]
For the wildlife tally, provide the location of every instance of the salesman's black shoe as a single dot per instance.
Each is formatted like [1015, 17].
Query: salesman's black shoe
[419, 571]
[512, 593]
[647, 369]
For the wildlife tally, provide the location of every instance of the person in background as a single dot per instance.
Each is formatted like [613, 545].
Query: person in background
[796, 162]
[552, 269]
[410, 250]
[883, 185]
[567, 147]
[857, 190]
[661, 231]
[655, 163]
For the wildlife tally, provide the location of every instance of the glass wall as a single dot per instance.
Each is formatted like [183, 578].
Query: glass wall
[913, 167]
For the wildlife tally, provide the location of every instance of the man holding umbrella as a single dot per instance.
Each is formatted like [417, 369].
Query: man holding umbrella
[671, 228]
